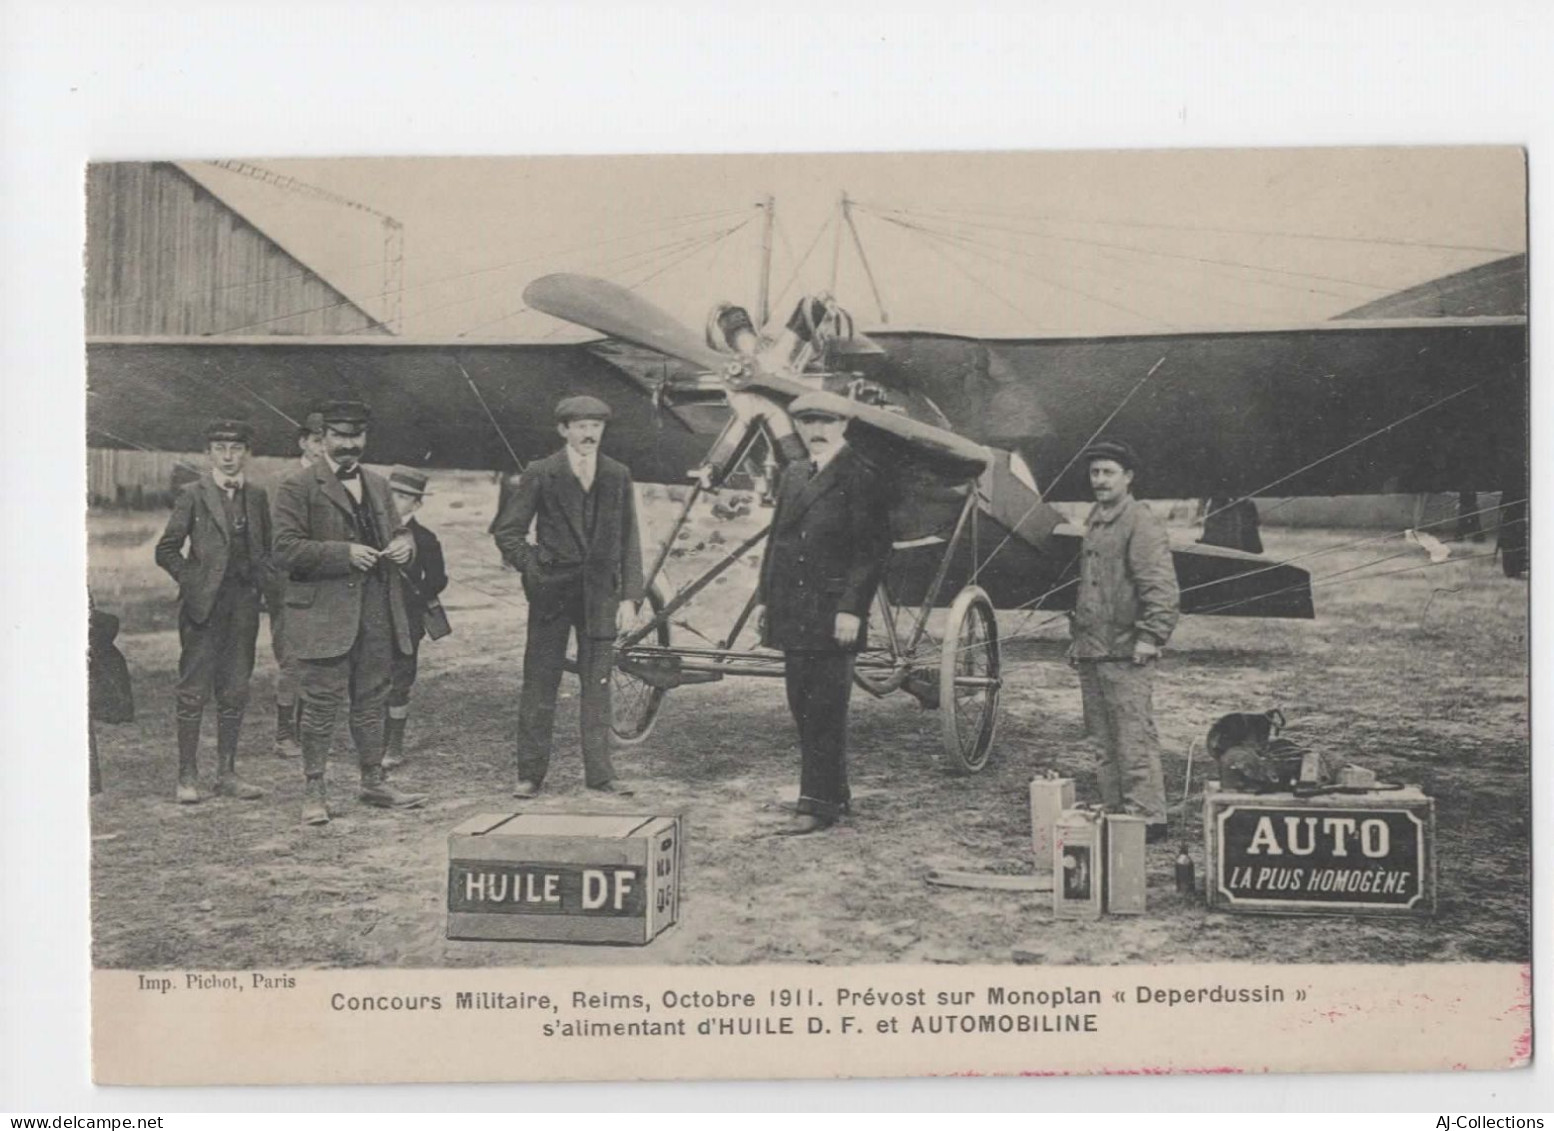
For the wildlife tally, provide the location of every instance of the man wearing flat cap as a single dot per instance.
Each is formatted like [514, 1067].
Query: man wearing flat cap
[288, 743]
[341, 544]
[829, 542]
[1127, 606]
[225, 522]
[425, 577]
[585, 561]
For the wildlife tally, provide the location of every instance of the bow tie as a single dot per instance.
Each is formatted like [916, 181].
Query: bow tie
[229, 484]
[347, 473]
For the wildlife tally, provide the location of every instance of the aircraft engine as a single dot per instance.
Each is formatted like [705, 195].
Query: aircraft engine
[729, 329]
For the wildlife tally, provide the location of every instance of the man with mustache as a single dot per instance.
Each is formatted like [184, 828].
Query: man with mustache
[1127, 606]
[585, 560]
[340, 543]
[830, 538]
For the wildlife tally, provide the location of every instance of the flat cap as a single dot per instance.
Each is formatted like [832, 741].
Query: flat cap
[581, 408]
[1118, 451]
[408, 481]
[312, 424]
[345, 417]
[819, 404]
[238, 431]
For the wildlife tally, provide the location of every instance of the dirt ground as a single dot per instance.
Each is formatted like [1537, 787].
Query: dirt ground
[1421, 675]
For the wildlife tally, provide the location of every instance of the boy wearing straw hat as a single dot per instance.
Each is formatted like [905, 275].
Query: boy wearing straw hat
[426, 576]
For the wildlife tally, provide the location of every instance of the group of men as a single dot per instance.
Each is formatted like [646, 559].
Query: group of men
[348, 575]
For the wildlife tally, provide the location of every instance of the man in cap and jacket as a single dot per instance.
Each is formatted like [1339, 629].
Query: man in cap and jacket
[585, 561]
[1127, 606]
[225, 522]
[425, 577]
[288, 744]
[341, 543]
[829, 542]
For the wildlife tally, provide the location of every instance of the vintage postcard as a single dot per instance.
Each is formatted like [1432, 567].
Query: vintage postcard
[896, 614]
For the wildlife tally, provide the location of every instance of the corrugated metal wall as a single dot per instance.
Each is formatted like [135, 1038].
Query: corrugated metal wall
[141, 480]
[164, 256]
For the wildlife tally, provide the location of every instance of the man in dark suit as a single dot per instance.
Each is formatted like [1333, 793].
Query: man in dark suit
[830, 538]
[225, 521]
[584, 562]
[341, 544]
[426, 576]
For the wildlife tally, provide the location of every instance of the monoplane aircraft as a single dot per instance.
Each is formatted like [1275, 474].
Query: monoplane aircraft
[981, 437]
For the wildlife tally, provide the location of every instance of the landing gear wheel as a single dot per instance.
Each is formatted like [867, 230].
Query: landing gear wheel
[969, 681]
[634, 703]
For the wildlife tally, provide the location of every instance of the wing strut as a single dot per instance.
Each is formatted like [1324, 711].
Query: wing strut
[489, 414]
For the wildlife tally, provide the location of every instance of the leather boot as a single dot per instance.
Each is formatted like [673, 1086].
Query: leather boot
[393, 742]
[188, 759]
[315, 811]
[228, 784]
[287, 718]
[377, 791]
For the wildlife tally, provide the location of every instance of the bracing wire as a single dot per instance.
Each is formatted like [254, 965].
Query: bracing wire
[458, 276]
[1135, 249]
[1382, 241]
[1347, 447]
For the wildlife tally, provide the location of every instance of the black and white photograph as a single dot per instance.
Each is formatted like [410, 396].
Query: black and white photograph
[1039, 561]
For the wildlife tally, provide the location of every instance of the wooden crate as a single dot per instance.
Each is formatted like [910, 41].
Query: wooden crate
[1370, 853]
[561, 877]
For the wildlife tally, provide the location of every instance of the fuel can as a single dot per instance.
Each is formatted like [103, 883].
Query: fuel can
[1124, 871]
[1078, 865]
[1049, 798]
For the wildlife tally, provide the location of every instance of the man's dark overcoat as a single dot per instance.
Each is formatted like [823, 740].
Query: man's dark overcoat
[829, 543]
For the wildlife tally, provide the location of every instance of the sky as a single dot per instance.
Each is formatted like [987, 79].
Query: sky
[1007, 244]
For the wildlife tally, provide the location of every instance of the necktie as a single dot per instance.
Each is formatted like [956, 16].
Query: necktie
[347, 473]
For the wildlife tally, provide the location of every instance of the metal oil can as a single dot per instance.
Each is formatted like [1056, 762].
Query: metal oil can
[1078, 864]
[1124, 871]
[1049, 798]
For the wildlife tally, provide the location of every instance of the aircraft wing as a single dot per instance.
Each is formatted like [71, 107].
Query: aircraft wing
[1347, 407]
[433, 402]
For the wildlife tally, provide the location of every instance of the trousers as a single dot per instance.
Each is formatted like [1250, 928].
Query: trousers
[362, 674]
[217, 657]
[552, 622]
[819, 686]
[289, 677]
[1118, 703]
[402, 676]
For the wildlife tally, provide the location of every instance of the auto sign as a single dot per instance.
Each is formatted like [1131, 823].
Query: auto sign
[1278, 854]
